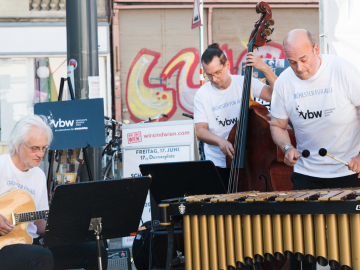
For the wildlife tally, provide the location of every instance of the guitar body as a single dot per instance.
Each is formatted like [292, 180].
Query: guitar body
[17, 201]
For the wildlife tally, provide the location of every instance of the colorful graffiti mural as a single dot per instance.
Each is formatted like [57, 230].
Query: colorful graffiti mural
[146, 99]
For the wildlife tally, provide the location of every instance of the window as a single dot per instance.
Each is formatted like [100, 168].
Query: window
[30, 80]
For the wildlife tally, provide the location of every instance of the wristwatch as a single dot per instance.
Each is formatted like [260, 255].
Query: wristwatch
[286, 147]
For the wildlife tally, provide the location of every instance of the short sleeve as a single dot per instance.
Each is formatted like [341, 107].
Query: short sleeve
[256, 88]
[277, 108]
[199, 110]
[353, 91]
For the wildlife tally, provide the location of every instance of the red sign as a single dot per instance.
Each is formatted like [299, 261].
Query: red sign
[134, 137]
[196, 19]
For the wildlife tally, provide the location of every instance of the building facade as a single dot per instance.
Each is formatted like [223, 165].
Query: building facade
[156, 53]
[148, 53]
[33, 57]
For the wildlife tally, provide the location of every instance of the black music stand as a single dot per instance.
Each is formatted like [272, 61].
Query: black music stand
[178, 179]
[112, 208]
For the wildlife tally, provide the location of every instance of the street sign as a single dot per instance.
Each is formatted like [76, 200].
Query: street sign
[196, 19]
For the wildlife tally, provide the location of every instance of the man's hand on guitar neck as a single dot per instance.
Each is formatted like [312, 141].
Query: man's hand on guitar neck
[5, 225]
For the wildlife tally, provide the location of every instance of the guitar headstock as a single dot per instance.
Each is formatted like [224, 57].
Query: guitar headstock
[262, 27]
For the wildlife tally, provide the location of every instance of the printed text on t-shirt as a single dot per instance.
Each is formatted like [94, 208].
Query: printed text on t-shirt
[315, 92]
[227, 122]
[226, 104]
[20, 186]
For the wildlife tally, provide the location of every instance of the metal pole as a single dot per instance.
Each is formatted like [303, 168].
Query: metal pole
[201, 39]
[82, 46]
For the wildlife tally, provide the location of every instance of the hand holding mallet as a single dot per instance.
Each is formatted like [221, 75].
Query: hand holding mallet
[323, 153]
[305, 153]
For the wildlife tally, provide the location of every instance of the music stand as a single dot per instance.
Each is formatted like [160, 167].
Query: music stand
[112, 208]
[177, 179]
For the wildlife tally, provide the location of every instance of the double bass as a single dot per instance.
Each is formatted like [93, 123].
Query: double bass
[258, 164]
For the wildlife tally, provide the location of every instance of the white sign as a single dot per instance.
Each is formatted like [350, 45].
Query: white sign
[153, 155]
[49, 39]
[161, 142]
[161, 133]
[94, 86]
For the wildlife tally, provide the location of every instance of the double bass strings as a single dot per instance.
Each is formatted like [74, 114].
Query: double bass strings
[241, 128]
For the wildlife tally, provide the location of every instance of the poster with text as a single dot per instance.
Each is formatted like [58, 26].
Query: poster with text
[162, 142]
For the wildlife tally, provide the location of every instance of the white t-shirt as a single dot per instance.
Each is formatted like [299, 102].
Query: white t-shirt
[221, 110]
[33, 181]
[323, 113]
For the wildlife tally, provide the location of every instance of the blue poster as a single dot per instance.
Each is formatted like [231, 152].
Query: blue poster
[75, 123]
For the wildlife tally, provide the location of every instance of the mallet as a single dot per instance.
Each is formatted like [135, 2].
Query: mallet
[323, 153]
[305, 153]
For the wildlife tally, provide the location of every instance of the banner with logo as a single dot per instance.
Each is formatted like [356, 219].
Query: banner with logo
[75, 123]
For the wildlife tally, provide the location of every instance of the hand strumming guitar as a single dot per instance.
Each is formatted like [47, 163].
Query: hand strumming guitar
[5, 225]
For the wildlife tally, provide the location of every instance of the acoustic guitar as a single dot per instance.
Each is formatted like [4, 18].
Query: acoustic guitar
[19, 208]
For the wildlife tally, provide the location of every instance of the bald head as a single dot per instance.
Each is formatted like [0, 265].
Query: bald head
[298, 36]
[302, 53]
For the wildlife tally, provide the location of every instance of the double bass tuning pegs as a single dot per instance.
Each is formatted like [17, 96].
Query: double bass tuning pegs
[267, 32]
[268, 23]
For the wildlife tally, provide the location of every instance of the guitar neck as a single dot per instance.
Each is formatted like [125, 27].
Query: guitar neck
[30, 216]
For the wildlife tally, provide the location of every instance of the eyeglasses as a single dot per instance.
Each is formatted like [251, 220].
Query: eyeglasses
[217, 74]
[36, 149]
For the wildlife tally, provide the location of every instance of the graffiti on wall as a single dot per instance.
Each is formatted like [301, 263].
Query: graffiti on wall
[148, 94]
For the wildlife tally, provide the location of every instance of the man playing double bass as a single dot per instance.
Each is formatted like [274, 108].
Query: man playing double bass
[320, 95]
[217, 103]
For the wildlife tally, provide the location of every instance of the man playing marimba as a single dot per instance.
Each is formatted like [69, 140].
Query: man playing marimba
[319, 95]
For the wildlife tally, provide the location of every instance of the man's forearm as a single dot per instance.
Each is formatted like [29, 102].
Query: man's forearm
[41, 225]
[280, 136]
[270, 76]
[208, 137]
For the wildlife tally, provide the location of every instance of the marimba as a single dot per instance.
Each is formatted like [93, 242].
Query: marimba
[225, 231]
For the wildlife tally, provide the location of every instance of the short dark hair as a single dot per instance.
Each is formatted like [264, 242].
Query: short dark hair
[212, 51]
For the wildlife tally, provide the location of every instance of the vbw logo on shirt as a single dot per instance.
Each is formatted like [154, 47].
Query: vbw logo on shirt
[227, 122]
[308, 114]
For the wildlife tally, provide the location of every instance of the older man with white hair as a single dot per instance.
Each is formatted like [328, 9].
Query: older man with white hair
[28, 143]
[320, 95]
